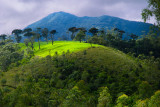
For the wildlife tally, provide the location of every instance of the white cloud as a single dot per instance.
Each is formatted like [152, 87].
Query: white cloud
[20, 13]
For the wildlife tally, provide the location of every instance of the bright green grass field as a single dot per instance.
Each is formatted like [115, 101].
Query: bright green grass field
[59, 46]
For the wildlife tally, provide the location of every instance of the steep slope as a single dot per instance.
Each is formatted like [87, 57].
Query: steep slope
[61, 21]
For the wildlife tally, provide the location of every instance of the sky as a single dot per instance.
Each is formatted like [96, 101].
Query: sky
[17, 14]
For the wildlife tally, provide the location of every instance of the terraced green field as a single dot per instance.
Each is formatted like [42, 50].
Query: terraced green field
[58, 46]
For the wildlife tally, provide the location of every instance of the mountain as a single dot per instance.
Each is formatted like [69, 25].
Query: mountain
[61, 21]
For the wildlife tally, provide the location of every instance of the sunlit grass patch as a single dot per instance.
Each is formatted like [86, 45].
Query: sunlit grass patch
[59, 47]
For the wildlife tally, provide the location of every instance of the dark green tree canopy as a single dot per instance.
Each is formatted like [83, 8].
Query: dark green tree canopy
[93, 30]
[3, 37]
[73, 30]
[133, 36]
[17, 33]
[83, 29]
[27, 30]
[80, 35]
[53, 32]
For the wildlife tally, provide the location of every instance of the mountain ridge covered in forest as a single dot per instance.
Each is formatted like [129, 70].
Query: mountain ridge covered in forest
[62, 21]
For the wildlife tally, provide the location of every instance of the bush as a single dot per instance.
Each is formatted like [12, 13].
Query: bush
[3, 81]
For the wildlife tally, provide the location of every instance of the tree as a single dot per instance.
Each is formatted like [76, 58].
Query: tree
[17, 33]
[94, 31]
[155, 100]
[122, 100]
[52, 33]
[45, 34]
[80, 36]
[83, 29]
[142, 103]
[145, 90]
[153, 9]
[38, 36]
[3, 81]
[73, 30]
[1, 97]
[26, 42]
[28, 32]
[9, 54]
[75, 98]
[120, 32]
[105, 98]
[133, 36]
[102, 33]
[3, 37]
[32, 42]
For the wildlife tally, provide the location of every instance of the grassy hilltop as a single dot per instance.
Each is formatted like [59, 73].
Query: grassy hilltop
[58, 46]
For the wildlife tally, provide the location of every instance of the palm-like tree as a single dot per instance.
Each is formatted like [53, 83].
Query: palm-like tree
[17, 33]
[94, 31]
[27, 32]
[45, 34]
[73, 30]
[53, 32]
[38, 36]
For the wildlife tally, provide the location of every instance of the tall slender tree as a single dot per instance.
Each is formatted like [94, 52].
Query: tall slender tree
[32, 42]
[17, 33]
[52, 33]
[38, 36]
[73, 30]
[45, 34]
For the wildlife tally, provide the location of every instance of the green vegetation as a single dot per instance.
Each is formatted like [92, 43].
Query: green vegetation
[103, 70]
[153, 9]
[59, 46]
[97, 76]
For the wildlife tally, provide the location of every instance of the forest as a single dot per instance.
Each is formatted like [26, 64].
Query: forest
[107, 68]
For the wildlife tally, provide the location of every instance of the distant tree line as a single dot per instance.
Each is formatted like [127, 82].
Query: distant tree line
[31, 36]
[144, 45]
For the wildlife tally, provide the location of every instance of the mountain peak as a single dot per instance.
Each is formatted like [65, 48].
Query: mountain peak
[61, 13]
[62, 21]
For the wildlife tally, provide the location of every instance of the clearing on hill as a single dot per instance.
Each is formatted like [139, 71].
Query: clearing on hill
[59, 47]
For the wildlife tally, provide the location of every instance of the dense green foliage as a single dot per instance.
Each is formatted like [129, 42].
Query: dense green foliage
[106, 69]
[94, 77]
[146, 46]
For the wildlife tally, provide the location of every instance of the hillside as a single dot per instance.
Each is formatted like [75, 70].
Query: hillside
[80, 77]
[59, 46]
[61, 21]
